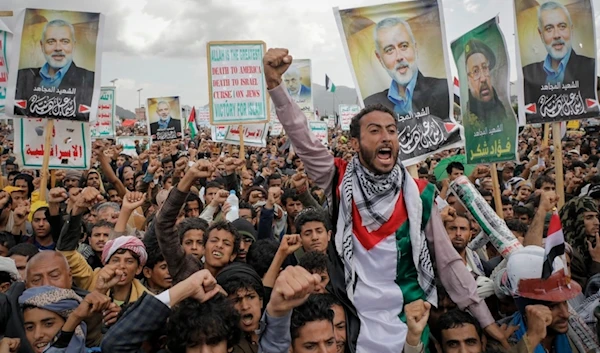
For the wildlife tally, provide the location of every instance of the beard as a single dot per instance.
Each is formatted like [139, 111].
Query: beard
[368, 157]
[58, 64]
[403, 79]
[558, 54]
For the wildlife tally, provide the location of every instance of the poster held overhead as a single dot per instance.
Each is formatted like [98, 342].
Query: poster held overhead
[490, 124]
[236, 84]
[164, 118]
[412, 81]
[57, 61]
[556, 60]
[5, 37]
[104, 127]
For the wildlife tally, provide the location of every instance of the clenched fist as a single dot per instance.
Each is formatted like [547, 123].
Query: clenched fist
[276, 62]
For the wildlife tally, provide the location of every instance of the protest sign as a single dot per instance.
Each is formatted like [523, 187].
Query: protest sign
[5, 37]
[51, 44]
[203, 116]
[556, 60]
[236, 84]
[164, 118]
[382, 71]
[319, 129]
[484, 73]
[70, 146]
[255, 135]
[218, 133]
[298, 81]
[128, 143]
[105, 123]
[347, 112]
[331, 122]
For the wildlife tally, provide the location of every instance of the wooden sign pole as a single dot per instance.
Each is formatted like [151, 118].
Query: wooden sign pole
[52, 178]
[242, 148]
[413, 171]
[497, 194]
[46, 162]
[558, 164]
[546, 140]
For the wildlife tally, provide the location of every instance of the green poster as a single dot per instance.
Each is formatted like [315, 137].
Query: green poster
[490, 124]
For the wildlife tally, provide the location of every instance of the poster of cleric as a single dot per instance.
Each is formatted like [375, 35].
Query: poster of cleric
[56, 59]
[556, 60]
[399, 59]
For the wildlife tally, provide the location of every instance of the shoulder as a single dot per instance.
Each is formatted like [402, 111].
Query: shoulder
[80, 71]
[533, 68]
[29, 72]
[431, 83]
[377, 97]
[581, 60]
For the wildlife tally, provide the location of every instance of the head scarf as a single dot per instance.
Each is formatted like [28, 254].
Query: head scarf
[35, 207]
[62, 302]
[571, 218]
[8, 265]
[128, 242]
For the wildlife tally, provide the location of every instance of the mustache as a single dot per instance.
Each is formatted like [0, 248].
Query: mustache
[558, 41]
[484, 86]
[401, 65]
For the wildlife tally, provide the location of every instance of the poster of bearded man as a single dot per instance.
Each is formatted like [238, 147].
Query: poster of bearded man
[556, 60]
[56, 58]
[399, 59]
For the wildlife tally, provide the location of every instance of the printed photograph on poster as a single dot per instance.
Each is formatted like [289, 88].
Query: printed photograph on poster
[70, 147]
[399, 59]
[490, 124]
[5, 36]
[556, 60]
[236, 84]
[218, 133]
[319, 129]
[104, 126]
[56, 58]
[298, 81]
[164, 118]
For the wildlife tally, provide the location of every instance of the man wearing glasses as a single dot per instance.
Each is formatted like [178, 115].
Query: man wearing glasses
[483, 98]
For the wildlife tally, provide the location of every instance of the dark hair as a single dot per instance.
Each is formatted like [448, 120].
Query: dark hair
[192, 323]
[519, 210]
[457, 318]
[191, 224]
[14, 172]
[289, 194]
[5, 277]
[165, 161]
[154, 255]
[505, 201]
[23, 249]
[102, 223]
[454, 165]
[190, 198]
[517, 226]
[330, 299]
[274, 176]
[544, 179]
[246, 196]
[7, 240]
[123, 251]
[235, 283]
[247, 206]
[28, 179]
[261, 254]
[314, 262]
[316, 308]
[355, 123]
[213, 184]
[226, 226]
[484, 192]
[311, 215]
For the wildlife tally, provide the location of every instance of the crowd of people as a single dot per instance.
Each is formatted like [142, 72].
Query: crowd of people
[332, 249]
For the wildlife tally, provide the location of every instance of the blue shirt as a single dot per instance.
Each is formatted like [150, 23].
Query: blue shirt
[48, 81]
[558, 75]
[164, 124]
[402, 105]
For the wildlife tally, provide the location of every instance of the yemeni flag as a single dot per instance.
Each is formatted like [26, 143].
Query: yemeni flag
[456, 91]
[555, 245]
[192, 123]
[329, 86]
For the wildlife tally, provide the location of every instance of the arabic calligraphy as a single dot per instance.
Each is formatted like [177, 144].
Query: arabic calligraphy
[495, 130]
[75, 152]
[569, 104]
[558, 86]
[53, 106]
[423, 136]
[71, 91]
[496, 149]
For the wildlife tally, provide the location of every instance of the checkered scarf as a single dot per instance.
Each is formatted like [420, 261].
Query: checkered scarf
[375, 197]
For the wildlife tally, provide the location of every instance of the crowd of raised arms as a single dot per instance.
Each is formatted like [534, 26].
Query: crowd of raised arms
[192, 246]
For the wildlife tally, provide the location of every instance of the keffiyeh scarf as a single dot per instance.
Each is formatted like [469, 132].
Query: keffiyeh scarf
[375, 198]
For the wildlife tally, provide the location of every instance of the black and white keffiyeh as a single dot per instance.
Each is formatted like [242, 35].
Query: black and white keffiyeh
[375, 197]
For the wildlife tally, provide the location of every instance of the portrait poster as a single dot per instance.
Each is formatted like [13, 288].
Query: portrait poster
[236, 83]
[298, 81]
[164, 118]
[218, 133]
[398, 56]
[556, 60]
[56, 60]
[319, 129]
[347, 112]
[104, 126]
[490, 124]
[5, 38]
[70, 147]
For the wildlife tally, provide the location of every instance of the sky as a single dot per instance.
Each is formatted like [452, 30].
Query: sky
[160, 45]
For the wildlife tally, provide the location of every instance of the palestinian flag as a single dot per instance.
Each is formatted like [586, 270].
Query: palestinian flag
[555, 245]
[192, 123]
[329, 86]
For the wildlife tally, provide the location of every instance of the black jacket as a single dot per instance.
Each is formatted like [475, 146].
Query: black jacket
[173, 123]
[81, 80]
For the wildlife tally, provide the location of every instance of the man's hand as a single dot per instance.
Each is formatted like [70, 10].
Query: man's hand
[181, 164]
[110, 315]
[20, 214]
[87, 198]
[480, 172]
[232, 164]
[94, 302]
[538, 318]
[153, 166]
[594, 251]
[548, 201]
[60, 174]
[300, 181]
[448, 214]
[57, 195]
[276, 62]
[201, 169]
[9, 345]
[266, 172]
[292, 288]
[417, 314]
[108, 277]
[4, 199]
[202, 286]
[99, 148]
[133, 200]
[274, 196]
[289, 244]
[220, 198]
